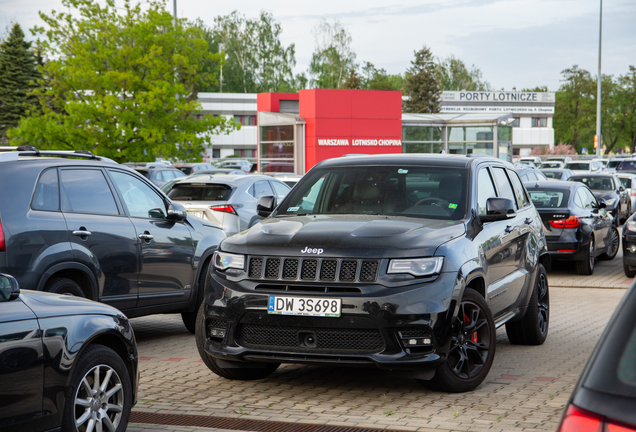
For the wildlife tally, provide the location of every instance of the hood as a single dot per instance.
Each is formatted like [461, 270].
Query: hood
[47, 305]
[361, 236]
[605, 195]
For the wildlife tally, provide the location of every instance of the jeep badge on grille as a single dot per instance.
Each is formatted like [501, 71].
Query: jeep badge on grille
[309, 250]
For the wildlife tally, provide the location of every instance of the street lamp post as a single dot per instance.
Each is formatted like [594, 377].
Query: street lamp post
[598, 90]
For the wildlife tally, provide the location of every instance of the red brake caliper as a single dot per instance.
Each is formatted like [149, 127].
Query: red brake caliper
[473, 337]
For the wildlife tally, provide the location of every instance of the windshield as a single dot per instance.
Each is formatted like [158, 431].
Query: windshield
[613, 163]
[431, 192]
[551, 165]
[596, 183]
[200, 192]
[627, 166]
[581, 166]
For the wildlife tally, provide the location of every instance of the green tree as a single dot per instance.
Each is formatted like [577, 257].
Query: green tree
[453, 74]
[353, 82]
[627, 108]
[377, 79]
[421, 84]
[575, 109]
[122, 82]
[332, 57]
[536, 89]
[18, 77]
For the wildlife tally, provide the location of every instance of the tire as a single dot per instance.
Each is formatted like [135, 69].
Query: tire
[86, 404]
[617, 219]
[245, 371]
[613, 243]
[472, 348]
[190, 318]
[628, 214]
[586, 266]
[64, 286]
[532, 329]
[628, 271]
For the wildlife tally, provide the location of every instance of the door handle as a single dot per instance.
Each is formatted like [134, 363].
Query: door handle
[146, 236]
[82, 232]
[528, 221]
[508, 229]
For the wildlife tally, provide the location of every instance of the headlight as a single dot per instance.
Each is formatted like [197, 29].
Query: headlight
[630, 226]
[609, 202]
[417, 267]
[223, 260]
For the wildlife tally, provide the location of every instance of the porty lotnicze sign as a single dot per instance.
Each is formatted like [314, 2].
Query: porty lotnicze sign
[497, 101]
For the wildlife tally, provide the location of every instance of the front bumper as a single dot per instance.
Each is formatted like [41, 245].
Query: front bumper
[406, 328]
[629, 240]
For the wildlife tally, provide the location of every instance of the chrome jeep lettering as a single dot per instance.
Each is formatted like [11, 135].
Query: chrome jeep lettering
[312, 251]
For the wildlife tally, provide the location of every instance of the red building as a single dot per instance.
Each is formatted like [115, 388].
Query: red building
[298, 130]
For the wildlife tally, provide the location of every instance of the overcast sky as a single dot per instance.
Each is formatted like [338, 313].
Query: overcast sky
[515, 43]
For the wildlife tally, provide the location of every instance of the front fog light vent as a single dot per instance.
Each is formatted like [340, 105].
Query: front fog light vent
[217, 330]
[413, 338]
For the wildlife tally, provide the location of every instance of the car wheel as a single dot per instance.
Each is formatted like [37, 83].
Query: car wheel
[586, 266]
[627, 213]
[99, 396]
[617, 219]
[628, 271]
[64, 286]
[613, 243]
[472, 347]
[532, 329]
[190, 318]
[244, 371]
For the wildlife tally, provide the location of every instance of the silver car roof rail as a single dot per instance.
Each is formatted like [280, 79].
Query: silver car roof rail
[9, 153]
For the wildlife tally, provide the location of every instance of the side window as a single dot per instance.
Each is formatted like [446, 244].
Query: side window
[505, 189]
[591, 202]
[86, 191]
[262, 188]
[520, 192]
[140, 199]
[47, 192]
[586, 203]
[578, 199]
[485, 189]
[281, 190]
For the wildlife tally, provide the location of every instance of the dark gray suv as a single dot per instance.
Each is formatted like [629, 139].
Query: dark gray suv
[72, 222]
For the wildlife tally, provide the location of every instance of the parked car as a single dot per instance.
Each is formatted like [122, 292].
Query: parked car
[605, 394]
[551, 164]
[627, 166]
[534, 161]
[611, 166]
[563, 159]
[289, 179]
[159, 175]
[584, 166]
[404, 262]
[96, 229]
[65, 362]
[577, 226]
[557, 174]
[229, 200]
[629, 182]
[191, 168]
[241, 164]
[608, 189]
[530, 174]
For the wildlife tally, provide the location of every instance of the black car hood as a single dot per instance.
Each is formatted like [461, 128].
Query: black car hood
[359, 236]
[604, 194]
[47, 305]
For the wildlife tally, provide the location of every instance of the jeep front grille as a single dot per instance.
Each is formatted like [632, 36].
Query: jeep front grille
[313, 269]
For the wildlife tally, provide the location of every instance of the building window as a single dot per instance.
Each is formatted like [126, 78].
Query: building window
[539, 122]
[515, 123]
[515, 152]
[245, 120]
[422, 139]
[216, 153]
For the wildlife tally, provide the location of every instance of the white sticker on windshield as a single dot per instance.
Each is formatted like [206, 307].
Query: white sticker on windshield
[403, 171]
[293, 209]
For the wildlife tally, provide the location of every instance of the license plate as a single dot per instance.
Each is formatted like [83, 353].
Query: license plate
[304, 306]
[197, 214]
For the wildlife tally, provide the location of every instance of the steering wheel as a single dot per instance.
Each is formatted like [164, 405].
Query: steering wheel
[439, 202]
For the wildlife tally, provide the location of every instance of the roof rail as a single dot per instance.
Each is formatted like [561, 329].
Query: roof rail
[10, 153]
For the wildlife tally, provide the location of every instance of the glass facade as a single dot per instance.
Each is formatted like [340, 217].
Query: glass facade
[276, 146]
[470, 139]
[422, 139]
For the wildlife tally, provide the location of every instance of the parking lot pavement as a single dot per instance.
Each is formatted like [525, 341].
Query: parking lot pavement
[527, 387]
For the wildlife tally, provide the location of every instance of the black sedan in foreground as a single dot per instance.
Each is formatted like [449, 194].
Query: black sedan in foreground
[608, 188]
[65, 362]
[605, 395]
[577, 227]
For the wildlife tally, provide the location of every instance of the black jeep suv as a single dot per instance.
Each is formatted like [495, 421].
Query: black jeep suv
[72, 222]
[403, 262]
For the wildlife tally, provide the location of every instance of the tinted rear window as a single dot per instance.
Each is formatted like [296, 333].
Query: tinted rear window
[581, 166]
[549, 198]
[613, 163]
[553, 174]
[200, 192]
[627, 166]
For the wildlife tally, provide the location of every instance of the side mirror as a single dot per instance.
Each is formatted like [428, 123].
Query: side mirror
[265, 205]
[602, 204]
[176, 212]
[621, 188]
[9, 288]
[498, 209]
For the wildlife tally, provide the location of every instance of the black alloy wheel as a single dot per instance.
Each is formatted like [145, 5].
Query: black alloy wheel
[613, 243]
[472, 347]
[532, 329]
[586, 266]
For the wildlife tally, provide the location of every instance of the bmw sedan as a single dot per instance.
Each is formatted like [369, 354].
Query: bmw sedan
[229, 200]
[605, 395]
[577, 226]
[65, 362]
[608, 188]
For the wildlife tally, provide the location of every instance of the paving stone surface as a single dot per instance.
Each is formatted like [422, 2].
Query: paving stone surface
[527, 387]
